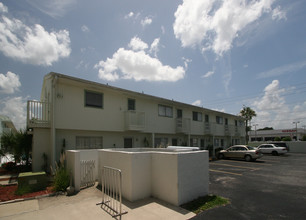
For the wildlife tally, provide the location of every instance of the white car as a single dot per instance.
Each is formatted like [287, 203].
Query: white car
[272, 149]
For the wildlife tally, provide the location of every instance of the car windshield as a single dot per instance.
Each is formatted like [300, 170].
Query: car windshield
[250, 148]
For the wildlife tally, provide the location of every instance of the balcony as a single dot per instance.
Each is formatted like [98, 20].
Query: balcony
[38, 114]
[209, 128]
[183, 125]
[134, 121]
[227, 130]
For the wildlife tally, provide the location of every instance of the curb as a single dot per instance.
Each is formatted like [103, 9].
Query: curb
[29, 198]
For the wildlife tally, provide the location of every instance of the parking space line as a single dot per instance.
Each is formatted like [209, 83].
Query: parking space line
[228, 165]
[241, 161]
[219, 171]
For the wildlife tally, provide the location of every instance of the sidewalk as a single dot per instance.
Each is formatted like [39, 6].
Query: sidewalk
[83, 206]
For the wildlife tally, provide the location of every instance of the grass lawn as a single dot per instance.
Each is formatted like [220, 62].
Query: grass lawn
[203, 203]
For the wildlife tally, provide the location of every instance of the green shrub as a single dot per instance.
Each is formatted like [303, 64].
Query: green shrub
[286, 139]
[61, 177]
[24, 189]
[9, 166]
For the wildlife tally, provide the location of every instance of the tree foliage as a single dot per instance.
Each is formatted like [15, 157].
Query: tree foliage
[19, 144]
[247, 113]
[265, 129]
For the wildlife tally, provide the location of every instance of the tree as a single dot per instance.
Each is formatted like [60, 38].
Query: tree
[247, 113]
[18, 144]
[265, 129]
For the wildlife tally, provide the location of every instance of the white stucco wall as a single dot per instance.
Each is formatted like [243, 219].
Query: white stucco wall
[40, 144]
[175, 177]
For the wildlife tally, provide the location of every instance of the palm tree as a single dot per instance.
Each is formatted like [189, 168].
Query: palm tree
[247, 113]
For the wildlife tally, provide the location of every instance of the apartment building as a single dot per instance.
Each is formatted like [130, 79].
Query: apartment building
[78, 114]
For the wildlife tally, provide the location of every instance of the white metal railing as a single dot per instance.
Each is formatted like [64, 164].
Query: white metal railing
[134, 120]
[111, 191]
[87, 173]
[38, 114]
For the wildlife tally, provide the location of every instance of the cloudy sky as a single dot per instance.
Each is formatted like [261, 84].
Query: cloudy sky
[219, 54]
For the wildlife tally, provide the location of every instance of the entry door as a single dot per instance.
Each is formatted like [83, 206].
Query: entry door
[128, 142]
[174, 142]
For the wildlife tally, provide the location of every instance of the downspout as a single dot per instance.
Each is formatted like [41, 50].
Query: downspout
[53, 145]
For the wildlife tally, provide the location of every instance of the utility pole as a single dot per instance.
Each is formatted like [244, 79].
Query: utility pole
[255, 131]
[296, 122]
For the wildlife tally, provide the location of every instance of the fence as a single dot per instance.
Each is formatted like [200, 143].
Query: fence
[111, 191]
[87, 173]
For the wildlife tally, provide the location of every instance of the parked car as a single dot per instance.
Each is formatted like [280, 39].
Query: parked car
[272, 149]
[281, 144]
[240, 151]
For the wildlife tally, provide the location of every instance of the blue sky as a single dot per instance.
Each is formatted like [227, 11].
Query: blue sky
[219, 54]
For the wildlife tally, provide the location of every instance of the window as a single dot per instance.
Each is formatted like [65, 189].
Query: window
[93, 99]
[226, 121]
[165, 111]
[83, 142]
[179, 113]
[219, 120]
[131, 104]
[236, 123]
[197, 116]
[206, 118]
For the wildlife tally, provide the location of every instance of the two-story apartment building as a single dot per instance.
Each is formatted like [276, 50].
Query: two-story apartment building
[78, 114]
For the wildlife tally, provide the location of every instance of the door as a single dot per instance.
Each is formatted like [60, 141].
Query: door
[174, 142]
[128, 142]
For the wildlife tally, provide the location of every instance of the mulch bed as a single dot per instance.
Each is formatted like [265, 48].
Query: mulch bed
[8, 193]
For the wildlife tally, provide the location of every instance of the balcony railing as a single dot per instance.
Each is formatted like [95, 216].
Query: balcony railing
[38, 114]
[183, 125]
[134, 121]
[209, 128]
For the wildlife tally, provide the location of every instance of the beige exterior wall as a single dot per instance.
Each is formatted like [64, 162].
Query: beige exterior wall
[40, 145]
[70, 118]
[175, 177]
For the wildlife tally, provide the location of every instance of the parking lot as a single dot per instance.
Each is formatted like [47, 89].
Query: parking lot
[273, 187]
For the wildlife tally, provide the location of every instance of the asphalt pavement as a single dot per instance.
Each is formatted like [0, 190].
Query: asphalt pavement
[273, 187]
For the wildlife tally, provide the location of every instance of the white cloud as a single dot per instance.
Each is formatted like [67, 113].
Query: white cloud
[54, 8]
[273, 111]
[272, 98]
[146, 21]
[3, 8]
[138, 65]
[9, 83]
[197, 103]
[215, 23]
[84, 28]
[129, 15]
[154, 48]
[286, 69]
[163, 29]
[33, 45]
[15, 109]
[278, 14]
[186, 61]
[208, 74]
[137, 44]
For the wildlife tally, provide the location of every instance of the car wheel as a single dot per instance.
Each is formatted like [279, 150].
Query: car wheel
[221, 156]
[274, 153]
[248, 158]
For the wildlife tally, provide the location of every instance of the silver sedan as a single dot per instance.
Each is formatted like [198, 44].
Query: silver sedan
[240, 152]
